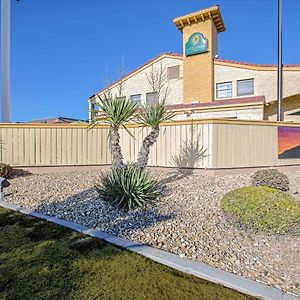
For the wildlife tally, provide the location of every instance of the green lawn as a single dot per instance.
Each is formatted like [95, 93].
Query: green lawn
[39, 260]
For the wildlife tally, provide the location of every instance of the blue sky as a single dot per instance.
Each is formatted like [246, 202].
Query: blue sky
[61, 48]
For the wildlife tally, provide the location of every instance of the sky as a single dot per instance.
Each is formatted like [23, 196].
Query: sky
[62, 50]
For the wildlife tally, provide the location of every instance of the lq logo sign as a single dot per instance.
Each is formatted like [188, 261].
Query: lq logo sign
[196, 44]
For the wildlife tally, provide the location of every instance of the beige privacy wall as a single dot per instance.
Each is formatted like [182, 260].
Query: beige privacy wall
[227, 144]
[55, 145]
[247, 144]
[174, 141]
[44, 145]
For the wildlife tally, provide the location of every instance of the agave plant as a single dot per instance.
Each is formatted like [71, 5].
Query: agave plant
[128, 187]
[115, 112]
[151, 115]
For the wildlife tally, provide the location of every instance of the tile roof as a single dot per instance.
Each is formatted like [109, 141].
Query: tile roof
[225, 102]
[201, 16]
[253, 64]
[56, 120]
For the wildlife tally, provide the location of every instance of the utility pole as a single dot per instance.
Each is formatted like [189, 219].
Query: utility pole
[5, 61]
[280, 115]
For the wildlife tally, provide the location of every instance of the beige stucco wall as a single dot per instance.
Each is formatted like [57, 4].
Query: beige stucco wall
[247, 113]
[290, 105]
[265, 81]
[138, 83]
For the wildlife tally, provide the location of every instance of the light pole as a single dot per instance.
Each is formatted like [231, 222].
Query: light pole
[5, 60]
[280, 115]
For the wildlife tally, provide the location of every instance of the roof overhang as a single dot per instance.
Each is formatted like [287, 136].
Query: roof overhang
[201, 16]
[220, 104]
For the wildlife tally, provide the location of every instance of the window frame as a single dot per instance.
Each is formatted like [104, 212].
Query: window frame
[137, 102]
[244, 94]
[123, 98]
[156, 100]
[220, 83]
[168, 76]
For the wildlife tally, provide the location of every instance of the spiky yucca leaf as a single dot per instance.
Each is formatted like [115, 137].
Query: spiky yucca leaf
[116, 111]
[128, 187]
[154, 114]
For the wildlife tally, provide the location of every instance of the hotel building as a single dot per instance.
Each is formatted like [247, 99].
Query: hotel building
[198, 84]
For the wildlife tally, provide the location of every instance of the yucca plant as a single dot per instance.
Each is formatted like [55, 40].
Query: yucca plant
[128, 187]
[115, 111]
[151, 115]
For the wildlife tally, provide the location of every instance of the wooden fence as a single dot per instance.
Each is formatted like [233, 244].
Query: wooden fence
[227, 144]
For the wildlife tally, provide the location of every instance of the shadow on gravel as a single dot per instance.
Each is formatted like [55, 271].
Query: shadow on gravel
[180, 174]
[88, 209]
[20, 173]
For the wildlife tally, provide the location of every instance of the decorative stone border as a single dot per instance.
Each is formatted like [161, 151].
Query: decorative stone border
[206, 272]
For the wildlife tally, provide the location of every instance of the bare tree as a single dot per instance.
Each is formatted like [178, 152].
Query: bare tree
[157, 79]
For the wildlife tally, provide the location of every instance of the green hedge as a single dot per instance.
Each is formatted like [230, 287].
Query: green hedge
[262, 208]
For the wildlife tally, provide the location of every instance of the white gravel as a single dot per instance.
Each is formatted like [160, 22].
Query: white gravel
[187, 220]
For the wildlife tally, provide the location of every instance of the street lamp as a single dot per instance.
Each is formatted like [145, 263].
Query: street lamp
[5, 61]
[280, 115]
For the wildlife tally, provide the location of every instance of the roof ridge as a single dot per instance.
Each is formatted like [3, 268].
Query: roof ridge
[253, 64]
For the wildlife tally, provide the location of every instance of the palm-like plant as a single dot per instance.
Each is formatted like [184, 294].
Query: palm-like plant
[115, 112]
[151, 115]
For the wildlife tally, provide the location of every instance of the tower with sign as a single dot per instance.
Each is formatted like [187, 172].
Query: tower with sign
[200, 47]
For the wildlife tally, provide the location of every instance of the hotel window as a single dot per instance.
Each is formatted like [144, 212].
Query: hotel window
[122, 98]
[151, 98]
[137, 99]
[245, 87]
[173, 72]
[224, 90]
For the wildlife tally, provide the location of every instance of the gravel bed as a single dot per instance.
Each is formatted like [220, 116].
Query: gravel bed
[187, 221]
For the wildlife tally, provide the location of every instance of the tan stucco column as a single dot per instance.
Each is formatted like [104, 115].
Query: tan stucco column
[200, 46]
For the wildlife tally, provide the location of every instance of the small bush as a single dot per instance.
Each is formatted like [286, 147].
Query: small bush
[271, 178]
[263, 209]
[6, 170]
[128, 187]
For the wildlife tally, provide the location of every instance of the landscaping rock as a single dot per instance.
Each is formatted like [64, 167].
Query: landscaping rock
[186, 220]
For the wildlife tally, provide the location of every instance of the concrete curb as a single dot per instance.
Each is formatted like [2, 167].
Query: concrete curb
[212, 274]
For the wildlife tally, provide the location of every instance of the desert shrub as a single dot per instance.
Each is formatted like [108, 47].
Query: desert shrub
[6, 170]
[263, 209]
[128, 187]
[271, 178]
